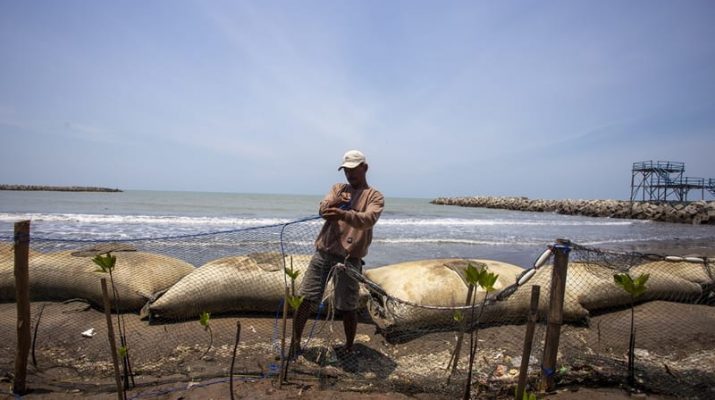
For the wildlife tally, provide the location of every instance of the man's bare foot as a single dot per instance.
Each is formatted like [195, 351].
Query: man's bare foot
[345, 350]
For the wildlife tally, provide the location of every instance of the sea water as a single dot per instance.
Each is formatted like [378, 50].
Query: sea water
[409, 229]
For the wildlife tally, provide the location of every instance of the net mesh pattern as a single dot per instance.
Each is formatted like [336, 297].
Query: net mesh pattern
[405, 341]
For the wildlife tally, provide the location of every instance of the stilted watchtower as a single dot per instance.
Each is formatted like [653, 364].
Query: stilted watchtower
[664, 181]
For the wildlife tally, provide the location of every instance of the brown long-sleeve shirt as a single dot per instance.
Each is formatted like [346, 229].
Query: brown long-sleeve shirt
[350, 236]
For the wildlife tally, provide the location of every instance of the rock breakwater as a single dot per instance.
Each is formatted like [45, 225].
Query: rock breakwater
[57, 188]
[695, 212]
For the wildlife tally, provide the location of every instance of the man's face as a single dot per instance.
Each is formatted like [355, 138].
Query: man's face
[355, 176]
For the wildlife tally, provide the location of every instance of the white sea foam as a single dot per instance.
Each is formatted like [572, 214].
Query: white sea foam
[142, 219]
[622, 241]
[495, 242]
[499, 222]
[262, 221]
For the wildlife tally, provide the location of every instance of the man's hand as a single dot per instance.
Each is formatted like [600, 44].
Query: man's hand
[341, 200]
[333, 214]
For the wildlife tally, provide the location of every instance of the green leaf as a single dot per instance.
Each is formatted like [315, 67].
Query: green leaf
[488, 279]
[639, 285]
[204, 319]
[122, 351]
[618, 278]
[293, 274]
[630, 287]
[458, 316]
[634, 288]
[295, 301]
[105, 262]
[624, 280]
[472, 274]
[642, 279]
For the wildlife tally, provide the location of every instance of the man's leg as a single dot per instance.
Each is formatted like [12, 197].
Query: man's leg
[311, 290]
[347, 299]
[350, 326]
[299, 319]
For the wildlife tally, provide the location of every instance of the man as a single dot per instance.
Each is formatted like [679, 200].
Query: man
[350, 211]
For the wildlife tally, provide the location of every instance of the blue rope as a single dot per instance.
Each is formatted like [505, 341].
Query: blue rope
[565, 248]
[564, 245]
[275, 325]
[283, 255]
[549, 372]
[315, 322]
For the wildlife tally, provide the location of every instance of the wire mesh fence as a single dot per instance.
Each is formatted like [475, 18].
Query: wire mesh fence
[413, 315]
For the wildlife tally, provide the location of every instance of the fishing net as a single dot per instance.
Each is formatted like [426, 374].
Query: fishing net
[177, 303]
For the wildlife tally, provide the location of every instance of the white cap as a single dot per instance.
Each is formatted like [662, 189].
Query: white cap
[352, 159]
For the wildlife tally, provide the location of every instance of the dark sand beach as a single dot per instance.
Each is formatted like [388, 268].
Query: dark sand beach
[166, 383]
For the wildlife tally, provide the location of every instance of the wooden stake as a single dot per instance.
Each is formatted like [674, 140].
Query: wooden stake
[22, 294]
[528, 341]
[112, 342]
[233, 358]
[283, 373]
[458, 348]
[555, 317]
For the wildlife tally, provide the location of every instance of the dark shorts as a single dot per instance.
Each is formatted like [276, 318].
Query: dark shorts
[347, 289]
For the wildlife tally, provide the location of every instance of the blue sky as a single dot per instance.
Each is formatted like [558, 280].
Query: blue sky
[545, 99]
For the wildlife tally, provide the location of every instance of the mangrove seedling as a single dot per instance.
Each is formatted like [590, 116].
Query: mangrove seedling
[204, 319]
[635, 288]
[293, 275]
[458, 317]
[106, 263]
[483, 278]
[293, 301]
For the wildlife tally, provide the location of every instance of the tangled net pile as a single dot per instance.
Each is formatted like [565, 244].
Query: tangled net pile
[163, 286]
